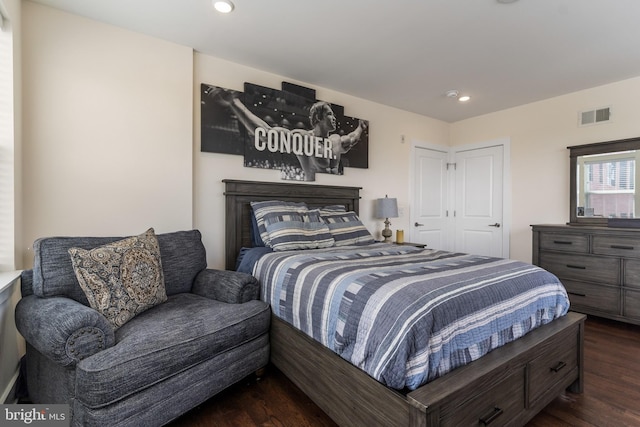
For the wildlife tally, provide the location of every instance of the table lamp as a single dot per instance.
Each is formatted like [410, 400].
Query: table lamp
[387, 208]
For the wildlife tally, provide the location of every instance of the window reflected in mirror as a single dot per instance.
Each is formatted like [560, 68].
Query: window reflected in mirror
[603, 183]
[606, 185]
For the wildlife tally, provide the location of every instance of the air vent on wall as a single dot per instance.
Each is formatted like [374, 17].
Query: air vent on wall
[592, 117]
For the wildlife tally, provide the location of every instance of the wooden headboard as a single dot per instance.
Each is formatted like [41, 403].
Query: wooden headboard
[239, 195]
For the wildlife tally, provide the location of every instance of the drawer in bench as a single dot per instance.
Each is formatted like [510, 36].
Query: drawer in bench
[558, 362]
[496, 407]
[582, 267]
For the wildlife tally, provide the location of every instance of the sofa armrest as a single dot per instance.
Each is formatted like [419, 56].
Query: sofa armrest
[226, 286]
[64, 330]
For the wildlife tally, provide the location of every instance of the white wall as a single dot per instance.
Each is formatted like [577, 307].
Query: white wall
[389, 158]
[540, 134]
[108, 129]
[112, 135]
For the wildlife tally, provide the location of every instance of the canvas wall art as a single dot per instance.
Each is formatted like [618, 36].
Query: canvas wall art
[286, 129]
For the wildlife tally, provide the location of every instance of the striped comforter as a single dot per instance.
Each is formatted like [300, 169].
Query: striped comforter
[407, 315]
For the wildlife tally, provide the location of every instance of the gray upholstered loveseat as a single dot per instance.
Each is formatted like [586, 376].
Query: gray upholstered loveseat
[211, 332]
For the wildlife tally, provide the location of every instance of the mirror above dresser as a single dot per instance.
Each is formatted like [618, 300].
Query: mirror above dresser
[603, 182]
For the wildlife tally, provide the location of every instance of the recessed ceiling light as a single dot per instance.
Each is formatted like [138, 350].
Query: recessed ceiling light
[451, 93]
[464, 98]
[223, 6]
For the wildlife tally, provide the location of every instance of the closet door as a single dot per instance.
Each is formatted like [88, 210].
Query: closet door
[429, 222]
[479, 201]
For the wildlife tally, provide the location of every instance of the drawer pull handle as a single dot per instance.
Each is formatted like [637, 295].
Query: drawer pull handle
[628, 248]
[578, 267]
[485, 421]
[558, 367]
[577, 294]
[562, 242]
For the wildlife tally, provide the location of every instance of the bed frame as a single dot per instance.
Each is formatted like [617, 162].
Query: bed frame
[508, 386]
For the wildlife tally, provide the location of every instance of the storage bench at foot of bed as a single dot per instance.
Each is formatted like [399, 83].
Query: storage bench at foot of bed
[510, 385]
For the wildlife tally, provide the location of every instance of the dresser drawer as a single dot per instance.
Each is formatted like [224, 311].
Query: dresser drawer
[632, 273]
[632, 304]
[578, 243]
[593, 297]
[558, 362]
[616, 245]
[582, 267]
[497, 407]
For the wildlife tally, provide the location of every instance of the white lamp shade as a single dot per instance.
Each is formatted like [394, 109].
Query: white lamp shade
[387, 208]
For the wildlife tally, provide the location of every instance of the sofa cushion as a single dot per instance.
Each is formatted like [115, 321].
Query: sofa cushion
[183, 257]
[123, 278]
[170, 338]
[166, 401]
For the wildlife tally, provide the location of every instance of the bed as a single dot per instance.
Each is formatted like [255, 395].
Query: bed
[507, 386]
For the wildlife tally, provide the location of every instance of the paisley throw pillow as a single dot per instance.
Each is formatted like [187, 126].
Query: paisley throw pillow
[121, 279]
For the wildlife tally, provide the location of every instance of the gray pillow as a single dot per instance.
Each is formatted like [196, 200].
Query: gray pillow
[296, 231]
[347, 229]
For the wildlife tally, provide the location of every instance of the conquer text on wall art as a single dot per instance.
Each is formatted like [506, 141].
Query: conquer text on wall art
[287, 129]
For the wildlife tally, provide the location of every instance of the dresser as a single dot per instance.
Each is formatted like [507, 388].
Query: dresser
[599, 267]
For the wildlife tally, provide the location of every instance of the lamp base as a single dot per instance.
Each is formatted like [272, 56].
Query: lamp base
[386, 233]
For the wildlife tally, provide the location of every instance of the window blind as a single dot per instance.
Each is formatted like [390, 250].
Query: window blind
[7, 167]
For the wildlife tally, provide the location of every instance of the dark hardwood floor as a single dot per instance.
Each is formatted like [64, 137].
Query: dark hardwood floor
[611, 393]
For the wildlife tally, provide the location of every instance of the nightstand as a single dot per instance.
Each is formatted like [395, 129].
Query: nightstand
[417, 245]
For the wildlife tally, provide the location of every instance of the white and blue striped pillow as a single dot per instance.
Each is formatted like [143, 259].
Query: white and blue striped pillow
[298, 230]
[347, 229]
[273, 211]
[327, 210]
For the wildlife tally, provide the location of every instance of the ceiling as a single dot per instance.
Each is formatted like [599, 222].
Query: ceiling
[405, 53]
